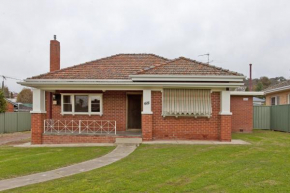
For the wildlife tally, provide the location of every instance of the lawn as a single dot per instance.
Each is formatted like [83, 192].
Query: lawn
[22, 161]
[263, 166]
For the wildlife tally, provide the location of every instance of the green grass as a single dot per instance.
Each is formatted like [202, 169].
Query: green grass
[22, 161]
[263, 166]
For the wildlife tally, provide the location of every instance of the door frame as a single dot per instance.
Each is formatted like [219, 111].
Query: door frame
[133, 93]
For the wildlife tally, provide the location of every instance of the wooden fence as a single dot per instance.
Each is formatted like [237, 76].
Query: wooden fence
[15, 122]
[272, 117]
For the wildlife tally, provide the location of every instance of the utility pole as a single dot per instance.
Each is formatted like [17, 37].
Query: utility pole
[4, 78]
[207, 56]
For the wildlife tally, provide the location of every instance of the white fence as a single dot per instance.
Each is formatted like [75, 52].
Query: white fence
[79, 126]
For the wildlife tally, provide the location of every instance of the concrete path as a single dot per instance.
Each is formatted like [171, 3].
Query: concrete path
[197, 142]
[12, 137]
[120, 152]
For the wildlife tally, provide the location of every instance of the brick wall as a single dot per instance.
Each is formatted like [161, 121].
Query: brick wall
[185, 127]
[242, 117]
[283, 97]
[67, 139]
[10, 107]
[114, 108]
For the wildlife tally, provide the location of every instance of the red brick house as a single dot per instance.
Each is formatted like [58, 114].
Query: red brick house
[137, 95]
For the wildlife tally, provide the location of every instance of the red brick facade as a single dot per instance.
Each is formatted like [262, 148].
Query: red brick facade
[242, 109]
[114, 108]
[185, 127]
[154, 126]
[66, 139]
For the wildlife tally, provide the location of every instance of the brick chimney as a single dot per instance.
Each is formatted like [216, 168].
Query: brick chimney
[54, 55]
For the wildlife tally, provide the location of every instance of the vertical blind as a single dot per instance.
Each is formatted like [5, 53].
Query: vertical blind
[190, 102]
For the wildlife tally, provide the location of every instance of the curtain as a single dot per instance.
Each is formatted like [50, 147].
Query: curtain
[190, 102]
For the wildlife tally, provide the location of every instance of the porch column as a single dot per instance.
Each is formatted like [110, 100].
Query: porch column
[226, 116]
[38, 114]
[147, 116]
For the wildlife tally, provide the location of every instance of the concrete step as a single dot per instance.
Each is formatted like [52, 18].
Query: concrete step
[128, 140]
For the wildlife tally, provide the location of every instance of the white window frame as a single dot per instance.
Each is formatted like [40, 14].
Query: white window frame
[276, 100]
[72, 95]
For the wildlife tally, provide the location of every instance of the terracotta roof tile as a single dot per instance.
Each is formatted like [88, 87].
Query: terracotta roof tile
[186, 66]
[122, 65]
[114, 67]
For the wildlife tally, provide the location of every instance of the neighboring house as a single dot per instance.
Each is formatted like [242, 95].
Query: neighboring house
[257, 101]
[11, 106]
[14, 106]
[138, 96]
[278, 94]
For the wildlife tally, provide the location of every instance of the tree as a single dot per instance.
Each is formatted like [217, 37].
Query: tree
[3, 103]
[25, 96]
[265, 81]
[6, 92]
[259, 86]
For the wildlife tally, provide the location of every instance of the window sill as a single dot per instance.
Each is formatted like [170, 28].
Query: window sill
[89, 114]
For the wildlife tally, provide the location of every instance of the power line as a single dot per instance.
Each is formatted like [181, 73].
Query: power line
[5, 77]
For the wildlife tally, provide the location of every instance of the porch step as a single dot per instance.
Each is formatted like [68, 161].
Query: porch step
[128, 140]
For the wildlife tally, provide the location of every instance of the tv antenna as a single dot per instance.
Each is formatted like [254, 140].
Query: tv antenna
[205, 55]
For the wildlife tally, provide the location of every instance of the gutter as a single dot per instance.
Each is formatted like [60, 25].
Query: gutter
[246, 93]
[277, 89]
[185, 78]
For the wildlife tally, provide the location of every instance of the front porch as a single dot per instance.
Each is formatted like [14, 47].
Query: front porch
[86, 127]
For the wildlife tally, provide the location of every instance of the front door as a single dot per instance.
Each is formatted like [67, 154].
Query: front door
[134, 111]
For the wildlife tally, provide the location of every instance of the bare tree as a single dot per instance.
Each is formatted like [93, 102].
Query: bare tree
[25, 96]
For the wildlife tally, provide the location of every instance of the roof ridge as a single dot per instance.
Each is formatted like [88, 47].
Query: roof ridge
[195, 61]
[97, 60]
[277, 85]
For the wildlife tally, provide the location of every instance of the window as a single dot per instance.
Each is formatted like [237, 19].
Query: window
[288, 98]
[67, 105]
[186, 102]
[82, 104]
[275, 100]
[95, 103]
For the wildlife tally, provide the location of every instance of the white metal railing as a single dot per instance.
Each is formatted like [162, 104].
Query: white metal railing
[79, 126]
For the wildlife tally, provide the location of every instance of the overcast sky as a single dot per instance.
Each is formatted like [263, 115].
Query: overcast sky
[235, 33]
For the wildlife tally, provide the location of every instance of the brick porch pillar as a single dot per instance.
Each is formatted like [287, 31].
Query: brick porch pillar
[147, 116]
[38, 114]
[225, 116]
[37, 124]
[226, 128]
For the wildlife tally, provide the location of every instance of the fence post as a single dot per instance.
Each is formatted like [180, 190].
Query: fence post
[4, 129]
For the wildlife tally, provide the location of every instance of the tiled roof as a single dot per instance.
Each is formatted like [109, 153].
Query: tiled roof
[114, 67]
[185, 66]
[281, 84]
[122, 65]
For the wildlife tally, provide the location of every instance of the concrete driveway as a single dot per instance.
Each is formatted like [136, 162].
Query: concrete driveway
[14, 137]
